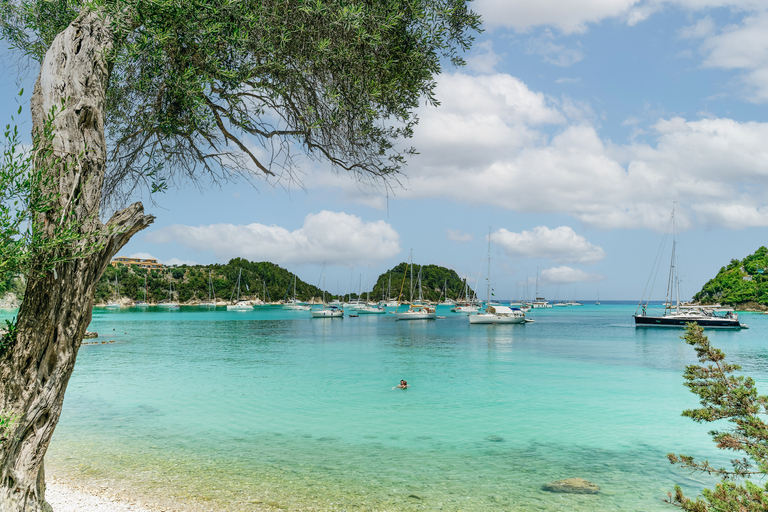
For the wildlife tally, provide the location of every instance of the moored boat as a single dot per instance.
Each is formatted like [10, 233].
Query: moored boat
[498, 315]
[677, 313]
[416, 312]
[495, 313]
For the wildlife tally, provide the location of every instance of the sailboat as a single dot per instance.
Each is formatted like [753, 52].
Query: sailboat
[327, 311]
[211, 302]
[419, 311]
[495, 313]
[447, 301]
[115, 303]
[387, 300]
[170, 303]
[678, 314]
[238, 305]
[468, 305]
[293, 304]
[143, 303]
[367, 308]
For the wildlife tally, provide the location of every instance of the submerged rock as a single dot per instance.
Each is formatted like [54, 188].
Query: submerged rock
[573, 486]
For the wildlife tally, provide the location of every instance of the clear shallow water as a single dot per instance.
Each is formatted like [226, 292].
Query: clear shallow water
[238, 411]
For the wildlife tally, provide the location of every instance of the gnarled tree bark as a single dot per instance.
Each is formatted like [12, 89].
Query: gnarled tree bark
[57, 305]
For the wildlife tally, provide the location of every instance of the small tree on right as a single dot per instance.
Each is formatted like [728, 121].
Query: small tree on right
[734, 398]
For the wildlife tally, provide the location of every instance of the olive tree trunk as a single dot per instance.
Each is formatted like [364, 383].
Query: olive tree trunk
[57, 305]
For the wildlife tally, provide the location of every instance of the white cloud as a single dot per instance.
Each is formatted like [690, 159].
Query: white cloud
[707, 165]
[552, 53]
[495, 142]
[568, 275]
[483, 59]
[742, 46]
[142, 256]
[458, 236]
[332, 237]
[568, 16]
[575, 16]
[171, 261]
[177, 261]
[560, 244]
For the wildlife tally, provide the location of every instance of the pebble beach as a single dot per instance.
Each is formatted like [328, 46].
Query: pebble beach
[66, 496]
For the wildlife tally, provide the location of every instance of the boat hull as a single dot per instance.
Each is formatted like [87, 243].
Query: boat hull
[371, 311]
[681, 321]
[496, 319]
[416, 316]
[327, 313]
[239, 307]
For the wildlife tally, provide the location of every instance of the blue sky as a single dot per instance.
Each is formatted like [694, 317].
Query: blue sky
[570, 133]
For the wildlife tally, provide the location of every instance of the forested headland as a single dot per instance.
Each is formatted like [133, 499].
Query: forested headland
[742, 283]
[267, 282]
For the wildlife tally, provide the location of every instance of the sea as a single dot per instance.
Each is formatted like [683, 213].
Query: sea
[270, 409]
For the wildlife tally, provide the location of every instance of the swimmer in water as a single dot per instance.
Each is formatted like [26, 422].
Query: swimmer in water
[403, 385]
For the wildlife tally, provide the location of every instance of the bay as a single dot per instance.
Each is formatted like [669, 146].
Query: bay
[220, 410]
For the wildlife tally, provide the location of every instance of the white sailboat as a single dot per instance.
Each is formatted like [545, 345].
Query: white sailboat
[211, 292]
[237, 304]
[467, 305]
[114, 303]
[387, 301]
[143, 303]
[367, 308]
[418, 311]
[328, 310]
[494, 313]
[293, 304]
[170, 303]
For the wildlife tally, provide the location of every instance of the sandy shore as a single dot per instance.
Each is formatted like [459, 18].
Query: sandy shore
[67, 497]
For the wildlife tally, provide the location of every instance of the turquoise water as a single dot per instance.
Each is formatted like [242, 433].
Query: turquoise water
[226, 410]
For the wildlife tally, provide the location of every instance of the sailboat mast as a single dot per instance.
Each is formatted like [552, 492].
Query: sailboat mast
[672, 288]
[488, 291]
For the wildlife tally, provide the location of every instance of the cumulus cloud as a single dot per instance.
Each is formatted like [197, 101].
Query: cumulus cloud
[142, 256]
[568, 275]
[529, 158]
[169, 262]
[560, 244]
[458, 236]
[575, 16]
[742, 46]
[332, 237]
[483, 59]
[495, 142]
[569, 16]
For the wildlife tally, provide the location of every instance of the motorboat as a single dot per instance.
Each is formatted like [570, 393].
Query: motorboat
[327, 312]
[498, 315]
[415, 312]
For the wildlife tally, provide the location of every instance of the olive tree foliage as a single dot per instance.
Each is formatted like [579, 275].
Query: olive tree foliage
[215, 87]
[29, 197]
[735, 400]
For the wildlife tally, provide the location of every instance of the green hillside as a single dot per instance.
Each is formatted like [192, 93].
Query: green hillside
[263, 280]
[739, 283]
[433, 280]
